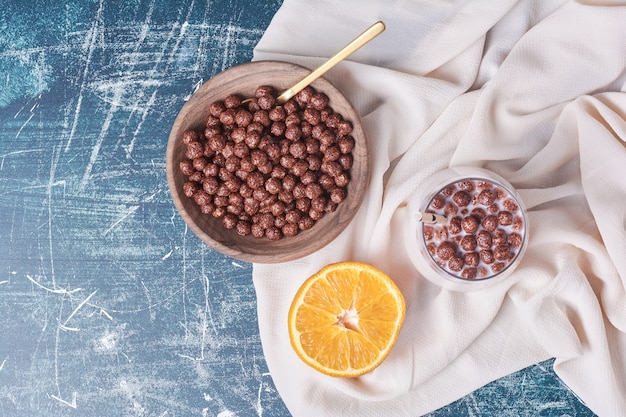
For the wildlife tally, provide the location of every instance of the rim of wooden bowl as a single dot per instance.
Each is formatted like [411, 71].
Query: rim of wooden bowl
[238, 80]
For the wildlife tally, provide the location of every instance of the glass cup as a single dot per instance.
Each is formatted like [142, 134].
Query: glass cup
[468, 228]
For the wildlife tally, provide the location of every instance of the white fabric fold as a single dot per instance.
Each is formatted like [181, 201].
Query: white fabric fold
[533, 90]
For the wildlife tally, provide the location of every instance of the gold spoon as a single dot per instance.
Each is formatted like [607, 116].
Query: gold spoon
[369, 34]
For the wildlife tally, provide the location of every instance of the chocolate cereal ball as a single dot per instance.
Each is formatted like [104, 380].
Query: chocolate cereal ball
[446, 250]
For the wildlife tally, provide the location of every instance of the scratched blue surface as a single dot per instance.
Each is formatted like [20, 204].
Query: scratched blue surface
[109, 305]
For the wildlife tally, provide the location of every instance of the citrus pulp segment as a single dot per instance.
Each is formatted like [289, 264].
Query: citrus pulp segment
[345, 319]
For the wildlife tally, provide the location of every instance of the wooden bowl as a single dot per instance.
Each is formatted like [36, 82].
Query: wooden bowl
[243, 80]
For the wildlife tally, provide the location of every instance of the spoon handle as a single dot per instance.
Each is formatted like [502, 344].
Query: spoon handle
[369, 34]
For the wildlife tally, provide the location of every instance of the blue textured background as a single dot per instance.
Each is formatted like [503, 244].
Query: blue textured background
[109, 305]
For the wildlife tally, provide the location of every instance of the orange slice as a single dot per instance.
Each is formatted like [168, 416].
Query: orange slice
[345, 319]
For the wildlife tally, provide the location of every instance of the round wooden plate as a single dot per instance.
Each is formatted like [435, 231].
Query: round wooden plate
[243, 80]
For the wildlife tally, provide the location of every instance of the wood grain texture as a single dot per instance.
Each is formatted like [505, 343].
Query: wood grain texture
[243, 80]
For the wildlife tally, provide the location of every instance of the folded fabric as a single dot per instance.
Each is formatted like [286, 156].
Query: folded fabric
[532, 90]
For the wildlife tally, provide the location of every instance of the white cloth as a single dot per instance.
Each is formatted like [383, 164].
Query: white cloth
[533, 90]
